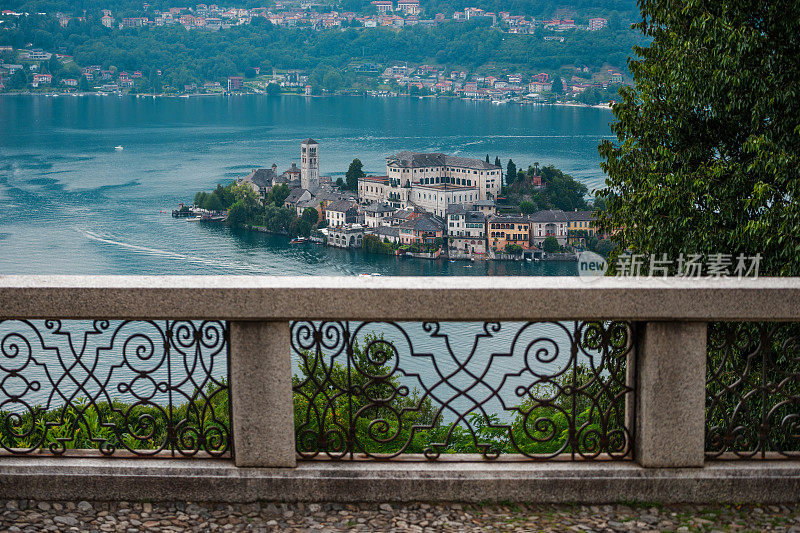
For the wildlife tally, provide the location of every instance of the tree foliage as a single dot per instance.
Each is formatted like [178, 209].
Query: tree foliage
[354, 173]
[372, 244]
[511, 172]
[707, 151]
[550, 245]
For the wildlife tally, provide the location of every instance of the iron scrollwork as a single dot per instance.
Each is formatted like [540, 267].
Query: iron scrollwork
[753, 390]
[142, 386]
[362, 389]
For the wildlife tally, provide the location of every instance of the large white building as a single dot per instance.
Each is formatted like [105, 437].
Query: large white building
[432, 181]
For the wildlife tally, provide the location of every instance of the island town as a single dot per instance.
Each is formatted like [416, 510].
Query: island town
[426, 205]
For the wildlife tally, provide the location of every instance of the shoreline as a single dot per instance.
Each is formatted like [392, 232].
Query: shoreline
[228, 95]
[443, 256]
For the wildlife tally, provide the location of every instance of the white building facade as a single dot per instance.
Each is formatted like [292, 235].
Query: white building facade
[550, 223]
[432, 181]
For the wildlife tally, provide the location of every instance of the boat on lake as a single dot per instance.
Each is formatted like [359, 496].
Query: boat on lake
[298, 240]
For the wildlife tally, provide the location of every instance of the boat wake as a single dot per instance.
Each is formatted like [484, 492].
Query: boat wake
[204, 261]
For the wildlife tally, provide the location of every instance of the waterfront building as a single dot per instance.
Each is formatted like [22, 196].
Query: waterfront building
[466, 230]
[345, 236]
[341, 213]
[387, 233]
[42, 79]
[432, 181]
[11, 68]
[408, 6]
[314, 204]
[378, 214]
[309, 165]
[403, 215]
[550, 223]
[235, 83]
[580, 226]
[421, 230]
[503, 230]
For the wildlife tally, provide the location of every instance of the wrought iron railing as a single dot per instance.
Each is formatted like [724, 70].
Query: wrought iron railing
[141, 387]
[753, 390]
[541, 389]
[675, 374]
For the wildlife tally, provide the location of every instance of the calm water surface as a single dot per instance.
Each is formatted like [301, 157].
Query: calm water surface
[71, 204]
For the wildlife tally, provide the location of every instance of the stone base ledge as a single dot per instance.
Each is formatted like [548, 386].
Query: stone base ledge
[326, 481]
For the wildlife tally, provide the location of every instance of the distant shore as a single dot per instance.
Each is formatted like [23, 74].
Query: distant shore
[196, 95]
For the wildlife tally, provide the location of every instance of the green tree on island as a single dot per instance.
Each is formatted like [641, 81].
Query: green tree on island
[550, 245]
[707, 151]
[310, 215]
[526, 208]
[562, 190]
[354, 173]
[511, 172]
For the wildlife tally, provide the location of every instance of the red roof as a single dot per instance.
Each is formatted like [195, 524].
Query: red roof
[376, 178]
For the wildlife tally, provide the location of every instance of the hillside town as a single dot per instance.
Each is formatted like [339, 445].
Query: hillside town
[421, 79]
[303, 13]
[54, 71]
[427, 205]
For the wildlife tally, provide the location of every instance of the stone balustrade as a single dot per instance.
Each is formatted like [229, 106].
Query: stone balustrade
[656, 449]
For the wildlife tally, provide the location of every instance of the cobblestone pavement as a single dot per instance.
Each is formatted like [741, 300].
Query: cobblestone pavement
[28, 515]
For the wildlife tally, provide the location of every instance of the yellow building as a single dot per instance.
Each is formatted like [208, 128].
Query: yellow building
[505, 230]
[580, 226]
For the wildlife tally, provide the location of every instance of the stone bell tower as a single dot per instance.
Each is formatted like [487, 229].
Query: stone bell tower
[309, 165]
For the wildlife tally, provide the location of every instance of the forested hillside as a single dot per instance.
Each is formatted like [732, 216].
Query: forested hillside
[193, 56]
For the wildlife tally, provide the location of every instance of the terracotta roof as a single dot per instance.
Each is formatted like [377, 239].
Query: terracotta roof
[409, 159]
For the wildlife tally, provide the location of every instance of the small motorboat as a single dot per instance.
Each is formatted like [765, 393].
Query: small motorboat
[118, 148]
[298, 240]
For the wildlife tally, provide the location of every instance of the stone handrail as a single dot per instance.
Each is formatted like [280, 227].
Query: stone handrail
[399, 298]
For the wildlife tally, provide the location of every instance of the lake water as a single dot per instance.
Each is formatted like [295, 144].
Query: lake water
[72, 204]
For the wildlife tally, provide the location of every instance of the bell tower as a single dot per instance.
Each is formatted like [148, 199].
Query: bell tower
[309, 165]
